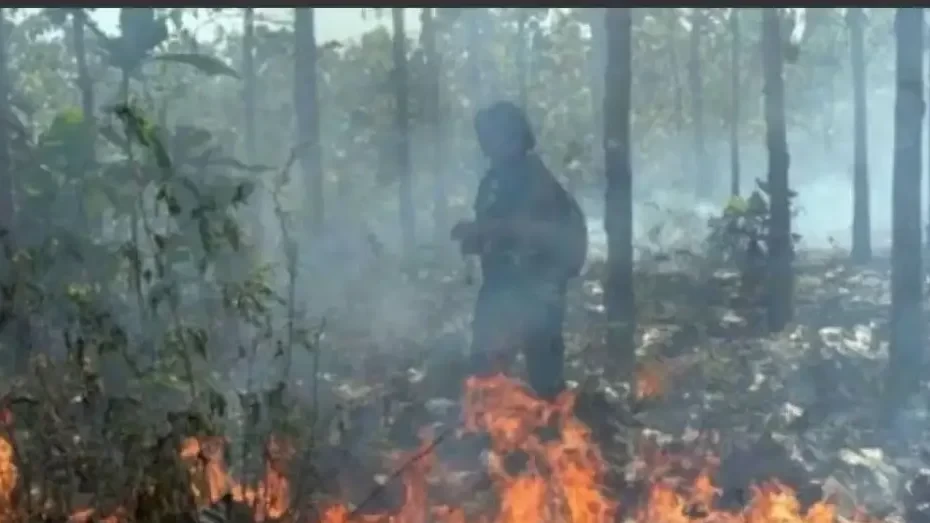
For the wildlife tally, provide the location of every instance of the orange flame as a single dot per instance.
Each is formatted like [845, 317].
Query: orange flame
[651, 380]
[270, 499]
[542, 462]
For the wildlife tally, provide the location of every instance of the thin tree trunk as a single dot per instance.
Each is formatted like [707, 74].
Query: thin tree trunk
[249, 81]
[473, 76]
[735, 93]
[618, 213]
[88, 106]
[307, 105]
[703, 180]
[402, 132]
[22, 335]
[6, 168]
[432, 99]
[522, 19]
[861, 234]
[85, 84]
[597, 69]
[678, 114]
[907, 330]
[781, 281]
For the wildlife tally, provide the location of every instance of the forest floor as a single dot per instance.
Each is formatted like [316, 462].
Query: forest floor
[800, 407]
[716, 401]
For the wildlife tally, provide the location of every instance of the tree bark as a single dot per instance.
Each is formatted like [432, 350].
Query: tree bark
[678, 113]
[7, 212]
[402, 132]
[434, 124]
[696, 85]
[861, 233]
[522, 20]
[618, 213]
[597, 67]
[249, 81]
[735, 92]
[85, 84]
[306, 103]
[907, 336]
[780, 248]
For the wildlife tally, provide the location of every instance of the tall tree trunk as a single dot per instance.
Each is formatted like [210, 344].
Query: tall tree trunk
[781, 278]
[735, 93]
[88, 106]
[433, 122]
[85, 84]
[696, 84]
[7, 212]
[596, 72]
[249, 81]
[618, 205]
[402, 132]
[907, 336]
[473, 74]
[307, 105]
[522, 19]
[21, 339]
[678, 114]
[861, 234]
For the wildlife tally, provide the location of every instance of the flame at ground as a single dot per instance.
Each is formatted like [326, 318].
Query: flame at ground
[270, 499]
[542, 463]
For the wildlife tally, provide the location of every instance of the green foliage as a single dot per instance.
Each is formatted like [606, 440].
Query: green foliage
[738, 238]
[740, 233]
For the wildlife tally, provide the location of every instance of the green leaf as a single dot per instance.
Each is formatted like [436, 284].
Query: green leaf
[206, 64]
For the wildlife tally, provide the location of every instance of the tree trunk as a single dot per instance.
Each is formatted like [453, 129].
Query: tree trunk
[696, 85]
[618, 208]
[21, 335]
[6, 168]
[597, 69]
[85, 84]
[249, 81]
[861, 233]
[678, 115]
[907, 338]
[781, 281]
[402, 132]
[433, 122]
[88, 107]
[473, 76]
[522, 19]
[735, 93]
[307, 106]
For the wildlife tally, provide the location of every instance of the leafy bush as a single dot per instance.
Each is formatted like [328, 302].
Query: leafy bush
[738, 238]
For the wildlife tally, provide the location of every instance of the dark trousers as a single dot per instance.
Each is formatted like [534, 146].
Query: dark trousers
[510, 318]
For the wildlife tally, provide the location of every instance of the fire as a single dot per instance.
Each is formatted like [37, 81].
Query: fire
[211, 481]
[771, 502]
[542, 464]
[650, 380]
[559, 469]
[9, 475]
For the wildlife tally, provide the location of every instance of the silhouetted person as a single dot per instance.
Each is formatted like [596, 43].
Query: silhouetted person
[532, 239]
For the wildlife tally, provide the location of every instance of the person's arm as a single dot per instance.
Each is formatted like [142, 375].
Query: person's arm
[473, 234]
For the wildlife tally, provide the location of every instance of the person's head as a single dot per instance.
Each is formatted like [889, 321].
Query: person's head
[504, 131]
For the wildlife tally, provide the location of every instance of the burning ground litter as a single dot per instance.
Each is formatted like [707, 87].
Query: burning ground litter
[541, 464]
